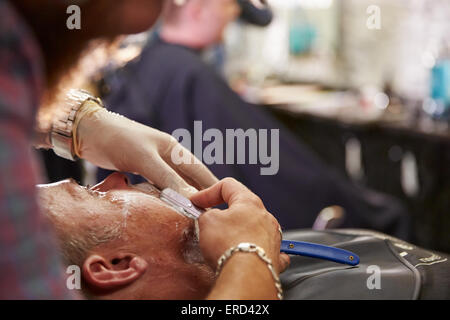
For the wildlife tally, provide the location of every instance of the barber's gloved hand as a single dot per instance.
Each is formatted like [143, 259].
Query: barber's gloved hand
[245, 220]
[114, 142]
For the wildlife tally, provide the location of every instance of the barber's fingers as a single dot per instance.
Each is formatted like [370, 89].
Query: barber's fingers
[228, 191]
[189, 166]
[163, 176]
[283, 262]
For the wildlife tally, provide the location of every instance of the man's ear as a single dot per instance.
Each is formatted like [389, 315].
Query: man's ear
[109, 274]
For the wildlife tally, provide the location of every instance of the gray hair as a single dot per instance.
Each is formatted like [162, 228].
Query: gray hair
[77, 240]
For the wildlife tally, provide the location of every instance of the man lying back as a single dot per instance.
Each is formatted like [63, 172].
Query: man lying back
[131, 245]
[127, 242]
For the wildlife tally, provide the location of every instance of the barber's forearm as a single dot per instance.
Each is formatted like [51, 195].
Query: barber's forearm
[244, 277]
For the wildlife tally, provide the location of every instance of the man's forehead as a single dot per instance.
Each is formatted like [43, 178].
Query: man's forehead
[55, 184]
[145, 197]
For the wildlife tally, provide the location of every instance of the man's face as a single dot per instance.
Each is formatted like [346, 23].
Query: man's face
[148, 228]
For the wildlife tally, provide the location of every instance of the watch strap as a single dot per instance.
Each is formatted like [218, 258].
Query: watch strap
[62, 128]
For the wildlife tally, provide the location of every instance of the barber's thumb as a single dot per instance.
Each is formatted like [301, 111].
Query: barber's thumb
[284, 261]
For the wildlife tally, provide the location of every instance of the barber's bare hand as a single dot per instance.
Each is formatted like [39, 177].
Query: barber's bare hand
[245, 220]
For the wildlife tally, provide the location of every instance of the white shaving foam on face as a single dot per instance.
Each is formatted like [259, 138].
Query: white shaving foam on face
[192, 253]
[125, 205]
[126, 200]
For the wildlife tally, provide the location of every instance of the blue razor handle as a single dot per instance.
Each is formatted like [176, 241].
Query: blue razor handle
[319, 251]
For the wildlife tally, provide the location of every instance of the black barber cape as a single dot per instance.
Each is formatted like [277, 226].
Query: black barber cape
[169, 87]
[389, 269]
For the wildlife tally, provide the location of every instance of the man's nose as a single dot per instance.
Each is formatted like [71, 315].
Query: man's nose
[113, 181]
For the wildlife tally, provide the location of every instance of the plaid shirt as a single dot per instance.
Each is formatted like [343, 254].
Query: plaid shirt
[30, 267]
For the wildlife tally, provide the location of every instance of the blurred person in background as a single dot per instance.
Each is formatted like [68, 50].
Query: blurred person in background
[37, 54]
[169, 87]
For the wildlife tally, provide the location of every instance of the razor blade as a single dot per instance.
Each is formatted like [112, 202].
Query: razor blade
[182, 204]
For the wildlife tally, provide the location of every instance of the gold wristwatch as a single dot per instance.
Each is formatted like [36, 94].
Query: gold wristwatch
[62, 127]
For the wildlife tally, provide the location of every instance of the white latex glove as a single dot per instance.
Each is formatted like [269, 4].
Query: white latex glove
[114, 142]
